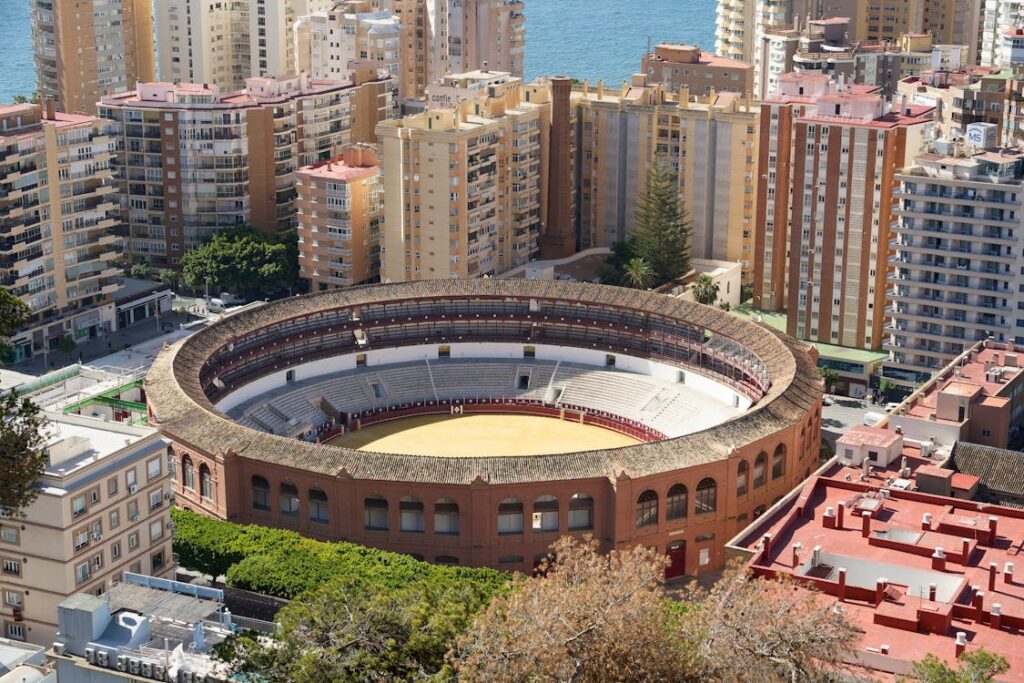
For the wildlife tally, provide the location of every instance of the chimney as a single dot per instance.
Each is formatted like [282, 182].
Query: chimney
[996, 618]
[865, 527]
[939, 560]
[979, 605]
[767, 545]
[1008, 573]
[993, 569]
[880, 584]
[932, 589]
[796, 553]
[961, 642]
[842, 584]
[926, 521]
[51, 109]
[840, 509]
[992, 522]
[965, 551]
[828, 520]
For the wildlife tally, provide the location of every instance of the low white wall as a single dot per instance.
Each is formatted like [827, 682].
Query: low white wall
[544, 352]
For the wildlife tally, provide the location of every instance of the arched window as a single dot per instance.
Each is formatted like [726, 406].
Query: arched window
[779, 461]
[447, 560]
[581, 512]
[647, 509]
[760, 465]
[676, 502]
[446, 516]
[707, 496]
[741, 478]
[318, 510]
[260, 493]
[410, 515]
[205, 482]
[510, 516]
[759, 510]
[289, 500]
[375, 513]
[545, 514]
[188, 473]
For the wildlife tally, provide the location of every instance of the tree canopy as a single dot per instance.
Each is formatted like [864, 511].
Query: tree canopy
[705, 290]
[13, 314]
[976, 666]
[243, 260]
[662, 229]
[22, 451]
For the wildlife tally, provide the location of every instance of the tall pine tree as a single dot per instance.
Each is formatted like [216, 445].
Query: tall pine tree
[662, 229]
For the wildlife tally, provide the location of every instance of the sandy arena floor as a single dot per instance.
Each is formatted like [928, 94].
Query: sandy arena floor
[484, 434]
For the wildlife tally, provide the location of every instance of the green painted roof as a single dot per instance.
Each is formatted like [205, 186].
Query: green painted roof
[778, 321]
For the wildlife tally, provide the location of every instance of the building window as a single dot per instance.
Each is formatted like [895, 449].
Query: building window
[318, 511]
[129, 479]
[115, 519]
[81, 539]
[156, 561]
[707, 493]
[375, 513]
[133, 511]
[153, 468]
[447, 560]
[779, 461]
[188, 473]
[133, 540]
[78, 507]
[510, 516]
[82, 572]
[289, 500]
[156, 499]
[410, 515]
[156, 530]
[112, 486]
[647, 509]
[545, 514]
[760, 463]
[741, 478]
[12, 567]
[206, 482]
[260, 493]
[13, 599]
[16, 631]
[677, 502]
[115, 550]
[446, 516]
[581, 512]
[10, 534]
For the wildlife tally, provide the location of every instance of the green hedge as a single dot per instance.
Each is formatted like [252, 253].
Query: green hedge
[286, 564]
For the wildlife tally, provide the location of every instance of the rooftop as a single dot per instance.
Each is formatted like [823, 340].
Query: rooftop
[1000, 471]
[778, 321]
[861, 435]
[871, 549]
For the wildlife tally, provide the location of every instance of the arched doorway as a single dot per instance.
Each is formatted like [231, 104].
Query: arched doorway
[677, 560]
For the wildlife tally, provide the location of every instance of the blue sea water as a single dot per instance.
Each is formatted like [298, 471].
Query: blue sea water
[17, 71]
[588, 39]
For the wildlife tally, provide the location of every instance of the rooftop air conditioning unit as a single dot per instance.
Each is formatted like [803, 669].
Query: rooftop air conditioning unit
[90, 655]
[159, 672]
[103, 658]
[187, 677]
[59, 649]
[133, 666]
[122, 663]
[147, 669]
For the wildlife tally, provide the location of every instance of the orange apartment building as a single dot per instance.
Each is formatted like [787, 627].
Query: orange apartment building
[829, 153]
[194, 160]
[687, 66]
[340, 211]
[84, 49]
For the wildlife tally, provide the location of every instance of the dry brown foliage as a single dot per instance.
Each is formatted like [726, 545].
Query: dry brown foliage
[591, 617]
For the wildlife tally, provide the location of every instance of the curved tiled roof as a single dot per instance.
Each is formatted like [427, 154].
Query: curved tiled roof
[184, 412]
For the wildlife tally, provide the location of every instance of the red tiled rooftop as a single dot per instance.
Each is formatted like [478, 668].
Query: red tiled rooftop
[862, 435]
[900, 545]
[970, 381]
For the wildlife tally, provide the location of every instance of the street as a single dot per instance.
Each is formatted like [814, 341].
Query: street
[843, 414]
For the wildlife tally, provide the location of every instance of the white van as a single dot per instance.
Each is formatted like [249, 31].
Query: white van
[230, 299]
[216, 306]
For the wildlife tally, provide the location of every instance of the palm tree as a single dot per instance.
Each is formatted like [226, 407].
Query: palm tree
[638, 274]
[705, 290]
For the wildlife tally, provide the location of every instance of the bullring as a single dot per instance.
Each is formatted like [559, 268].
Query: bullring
[309, 367]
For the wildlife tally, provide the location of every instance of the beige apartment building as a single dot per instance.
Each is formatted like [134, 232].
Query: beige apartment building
[194, 160]
[349, 36]
[686, 66]
[103, 510]
[955, 22]
[829, 153]
[204, 42]
[59, 224]
[340, 212]
[465, 188]
[710, 142]
[272, 34]
[85, 48]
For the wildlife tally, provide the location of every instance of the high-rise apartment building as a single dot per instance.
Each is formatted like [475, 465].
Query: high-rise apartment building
[349, 36]
[85, 48]
[828, 155]
[103, 510]
[272, 34]
[958, 236]
[204, 42]
[999, 18]
[686, 66]
[340, 211]
[465, 187]
[58, 224]
[710, 142]
[193, 160]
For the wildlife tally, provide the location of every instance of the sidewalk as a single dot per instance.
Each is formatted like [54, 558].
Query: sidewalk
[105, 344]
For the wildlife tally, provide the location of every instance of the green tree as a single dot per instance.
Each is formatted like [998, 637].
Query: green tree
[349, 630]
[20, 99]
[66, 344]
[13, 314]
[976, 666]
[830, 376]
[705, 290]
[141, 271]
[662, 229]
[22, 451]
[638, 274]
[243, 260]
[170, 277]
[887, 387]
